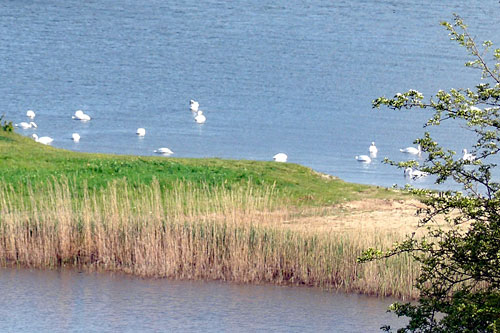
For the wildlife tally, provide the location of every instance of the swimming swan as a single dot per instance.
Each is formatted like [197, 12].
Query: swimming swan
[373, 150]
[415, 174]
[164, 151]
[75, 137]
[44, 139]
[412, 150]
[194, 105]
[280, 157]
[468, 156]
[30, 114]
[140, 131]
[25, 125]
[200, 118]
[363, 159]
[79, 115]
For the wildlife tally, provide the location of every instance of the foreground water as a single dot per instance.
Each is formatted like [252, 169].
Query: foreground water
[69, 301]
[272, 76]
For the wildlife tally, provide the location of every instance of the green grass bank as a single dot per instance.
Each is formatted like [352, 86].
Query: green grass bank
[23, 161]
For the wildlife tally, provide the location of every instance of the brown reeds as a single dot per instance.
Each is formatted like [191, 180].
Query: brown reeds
[190, 232]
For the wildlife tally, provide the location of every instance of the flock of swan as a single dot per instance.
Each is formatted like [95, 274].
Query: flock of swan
[373, 150]
[408, 172]
[79, 115]
[47, 140]
[200, 118]
[194, 106]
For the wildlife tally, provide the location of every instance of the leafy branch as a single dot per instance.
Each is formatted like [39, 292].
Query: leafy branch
[459, 281]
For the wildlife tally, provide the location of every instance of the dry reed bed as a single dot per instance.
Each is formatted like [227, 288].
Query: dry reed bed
[188, 232]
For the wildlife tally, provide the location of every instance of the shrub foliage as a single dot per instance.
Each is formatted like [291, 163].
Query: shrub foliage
[460, 279]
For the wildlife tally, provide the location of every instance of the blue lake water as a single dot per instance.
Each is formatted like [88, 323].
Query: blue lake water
[69, 301]
[272, 76]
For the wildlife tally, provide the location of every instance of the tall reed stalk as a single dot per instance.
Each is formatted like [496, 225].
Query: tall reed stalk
[189, 232]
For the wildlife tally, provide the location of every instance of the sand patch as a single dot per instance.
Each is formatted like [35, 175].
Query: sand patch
[368, 215]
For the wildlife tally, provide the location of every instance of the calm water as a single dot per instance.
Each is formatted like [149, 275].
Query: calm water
[68, 301]
[272, 76]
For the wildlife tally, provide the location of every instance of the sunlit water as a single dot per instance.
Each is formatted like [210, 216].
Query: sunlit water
[272, 76]
[68, 301]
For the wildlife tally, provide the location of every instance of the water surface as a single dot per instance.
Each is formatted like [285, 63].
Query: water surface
[272, 76]
[69, 301]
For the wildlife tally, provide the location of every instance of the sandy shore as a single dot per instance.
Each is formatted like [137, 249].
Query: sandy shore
[370, 214]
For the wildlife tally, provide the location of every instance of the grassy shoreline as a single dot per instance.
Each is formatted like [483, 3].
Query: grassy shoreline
[186, 219]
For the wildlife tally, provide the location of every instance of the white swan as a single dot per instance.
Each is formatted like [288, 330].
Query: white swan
[79, 115]
[363, 159]
[373, 150]
[140, 131]
[415, 174]
[46, 140]
[412, 150]
[280, 157]
[468, 156]
[164, 151]
[30, 114]
[23, 125]
[194, 105]
[26, 125]
[75, 137]
[200, 118]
